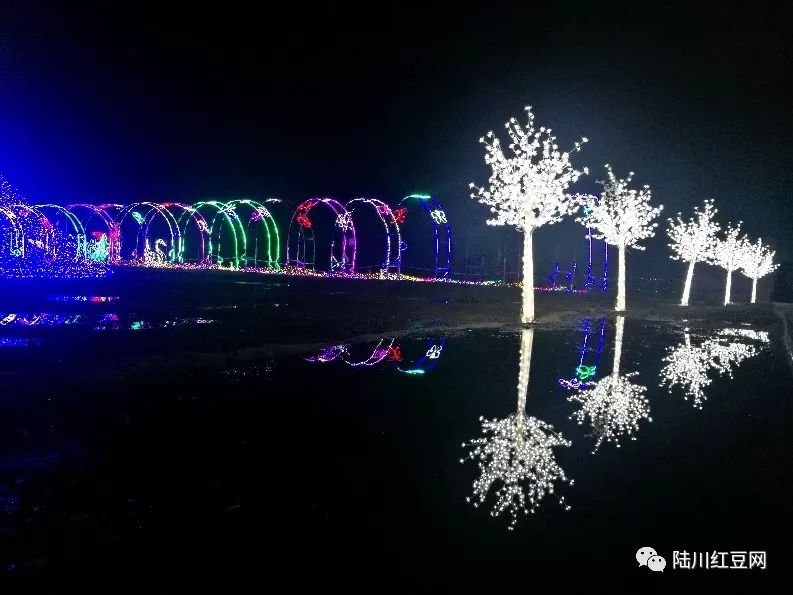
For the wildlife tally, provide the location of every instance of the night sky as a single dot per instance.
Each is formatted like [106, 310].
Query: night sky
[118, 103]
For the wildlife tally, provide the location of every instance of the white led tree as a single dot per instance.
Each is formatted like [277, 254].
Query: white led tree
[693, 241]
[527, 188]
[516, 454]
[614, 405]
[728, 253]
[757, 262]
[622, 217]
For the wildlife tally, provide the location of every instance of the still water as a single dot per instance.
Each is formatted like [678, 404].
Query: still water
[449, 457]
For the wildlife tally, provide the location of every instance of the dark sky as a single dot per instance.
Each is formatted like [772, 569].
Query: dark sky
[115, 102]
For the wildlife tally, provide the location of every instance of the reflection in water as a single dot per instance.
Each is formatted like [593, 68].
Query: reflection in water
[107, 321]
[585, 373]
[614, 405]
[111, 322]
[328, 354]
[386, 350]
[38, 319]
[516, 453]
[379, 354]
[12, 342]
[426, 362]
[688, 366]
[94, 299]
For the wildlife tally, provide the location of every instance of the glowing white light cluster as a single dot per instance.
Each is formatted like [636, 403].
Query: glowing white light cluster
[344, 221]
[688, 366]
[756, 262]
[728, 253]
[438, 216]
[746, 333]
[434, 352]
[516, 453]
[693, 241]
[527, 187]
[621, 216]
[614, 405]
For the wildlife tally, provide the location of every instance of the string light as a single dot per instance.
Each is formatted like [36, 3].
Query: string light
[224, 236]
[32, 247]
[441, 231]
[590, 280]
[384, 351]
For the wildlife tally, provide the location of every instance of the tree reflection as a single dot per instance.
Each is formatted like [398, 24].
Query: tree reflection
[614, 405]
[689, 366]
[515, 454]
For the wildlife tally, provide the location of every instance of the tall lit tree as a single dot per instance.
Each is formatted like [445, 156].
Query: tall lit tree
[693, 241]
[757, 262]
[516, 454]
[527, 188]
[622, 216]
[614, 405]
[729, 253]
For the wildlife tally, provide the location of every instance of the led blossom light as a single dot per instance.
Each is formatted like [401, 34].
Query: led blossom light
[729, 253]
[614, 406]
[689, 366]
[621, 216]
[756, 262]
[527, 188]
[693, 241]
[515, 455]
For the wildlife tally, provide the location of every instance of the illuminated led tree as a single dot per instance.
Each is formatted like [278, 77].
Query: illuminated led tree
[614, 405]
[693, 241]
[527, 188]
[622, 217]
[757, 261]
[689, 366]
[729, 253]
[515, 455]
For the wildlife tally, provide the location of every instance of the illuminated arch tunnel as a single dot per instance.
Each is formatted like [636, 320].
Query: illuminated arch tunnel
[321, 234]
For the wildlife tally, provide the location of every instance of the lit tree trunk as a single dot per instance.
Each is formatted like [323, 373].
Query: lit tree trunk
[618, 346]
[524, 366]
[620, 305]
[527, 310]
[728, 287]
[754, 290]
[687, 286]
